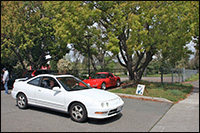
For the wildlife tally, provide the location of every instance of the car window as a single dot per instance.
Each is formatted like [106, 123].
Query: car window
[49, 83]
[35, 81]
[99, 76]
[110, 75]
[73, 84]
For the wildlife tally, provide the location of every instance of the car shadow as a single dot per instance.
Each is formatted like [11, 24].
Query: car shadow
[50, 111]
[63, 114]
[104, 121]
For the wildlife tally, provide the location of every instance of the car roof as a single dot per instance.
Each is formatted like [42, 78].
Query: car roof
[55, 75]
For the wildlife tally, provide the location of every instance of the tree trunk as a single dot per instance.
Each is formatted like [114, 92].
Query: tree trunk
[19, 57]
[141, 70]
[138, 70]
[131, 74]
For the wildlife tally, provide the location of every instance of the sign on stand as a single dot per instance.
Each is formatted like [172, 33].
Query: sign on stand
[140, 89]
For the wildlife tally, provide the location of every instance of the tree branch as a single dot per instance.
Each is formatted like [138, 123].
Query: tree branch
[121, 61]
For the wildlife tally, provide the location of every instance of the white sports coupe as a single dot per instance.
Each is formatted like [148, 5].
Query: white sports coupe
[66, 93]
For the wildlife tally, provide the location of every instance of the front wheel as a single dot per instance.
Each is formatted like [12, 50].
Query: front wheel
[22, 101]
[78, 112]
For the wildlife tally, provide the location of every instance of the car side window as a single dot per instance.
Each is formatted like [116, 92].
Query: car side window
[49, 83]
[35, 81]
[110, 75]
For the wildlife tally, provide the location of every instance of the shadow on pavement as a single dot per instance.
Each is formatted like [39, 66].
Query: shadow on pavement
[105, 121]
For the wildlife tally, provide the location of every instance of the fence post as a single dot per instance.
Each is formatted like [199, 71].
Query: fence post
[180, 75]
[161, 75]
[172, 76]
[183, 75]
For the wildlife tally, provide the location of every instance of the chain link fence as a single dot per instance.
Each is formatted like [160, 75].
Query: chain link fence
[174, 75]
[165, 75]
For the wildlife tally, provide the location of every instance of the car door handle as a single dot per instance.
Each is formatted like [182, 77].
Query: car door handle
[39, 90]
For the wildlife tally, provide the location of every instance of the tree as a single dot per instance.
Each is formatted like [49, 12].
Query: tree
[135, 30]
[101, 56]
[138, 30]
[194, 62]
[64, 66]
[28, 33]
[73, 22]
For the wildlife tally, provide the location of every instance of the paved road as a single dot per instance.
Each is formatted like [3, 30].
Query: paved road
[137, 116]
[183, 116]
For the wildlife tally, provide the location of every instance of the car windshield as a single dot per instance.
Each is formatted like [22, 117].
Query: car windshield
[73, 84]
[99, 76]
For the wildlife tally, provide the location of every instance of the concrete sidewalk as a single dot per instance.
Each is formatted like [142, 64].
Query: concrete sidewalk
[183, 116]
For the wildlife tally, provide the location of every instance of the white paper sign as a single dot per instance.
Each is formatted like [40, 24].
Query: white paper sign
[140, 89]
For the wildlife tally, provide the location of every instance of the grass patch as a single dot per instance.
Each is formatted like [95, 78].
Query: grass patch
[193, 78]
[171, 91]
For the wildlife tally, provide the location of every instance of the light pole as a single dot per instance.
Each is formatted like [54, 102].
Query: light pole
[88, 47]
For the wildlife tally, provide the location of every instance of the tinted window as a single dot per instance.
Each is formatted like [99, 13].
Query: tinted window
[49, 82]
[73, 84]
[35, 81]
[110, 75]
[99, 76]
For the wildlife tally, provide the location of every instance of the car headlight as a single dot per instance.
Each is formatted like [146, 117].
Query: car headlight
[104, 104]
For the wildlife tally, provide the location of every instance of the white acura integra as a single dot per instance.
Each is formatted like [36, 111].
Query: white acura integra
[66, 93]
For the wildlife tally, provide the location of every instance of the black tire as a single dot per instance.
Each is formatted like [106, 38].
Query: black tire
[22, 101]
[103, 86]
[118, 83]
[78, 112]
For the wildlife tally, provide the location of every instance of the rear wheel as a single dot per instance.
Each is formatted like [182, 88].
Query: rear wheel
[103, 86]
[78, 112]
[22, 101]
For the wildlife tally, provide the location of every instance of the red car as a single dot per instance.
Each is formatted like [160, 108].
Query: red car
[103, 80]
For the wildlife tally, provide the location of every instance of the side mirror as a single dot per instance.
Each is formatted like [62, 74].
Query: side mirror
[56, 89]
[89, 77]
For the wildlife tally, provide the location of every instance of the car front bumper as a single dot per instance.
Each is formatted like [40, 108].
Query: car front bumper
[106, 112]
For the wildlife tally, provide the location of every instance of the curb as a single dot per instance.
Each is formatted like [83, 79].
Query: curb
[156, 99]
[146, 98]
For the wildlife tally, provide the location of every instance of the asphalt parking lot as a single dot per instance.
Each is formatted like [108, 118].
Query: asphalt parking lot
[137, 116]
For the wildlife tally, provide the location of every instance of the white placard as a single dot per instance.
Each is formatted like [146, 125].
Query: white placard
[140, 89]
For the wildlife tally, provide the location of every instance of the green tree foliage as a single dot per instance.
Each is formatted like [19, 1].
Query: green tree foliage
[73, 22]
[64, 66]
[28, 33]
[145, 28]
[134, 31]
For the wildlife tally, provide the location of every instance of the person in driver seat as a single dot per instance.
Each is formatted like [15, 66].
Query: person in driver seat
[52, 84]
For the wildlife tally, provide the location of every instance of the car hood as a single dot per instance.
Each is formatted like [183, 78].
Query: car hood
[96, 94]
